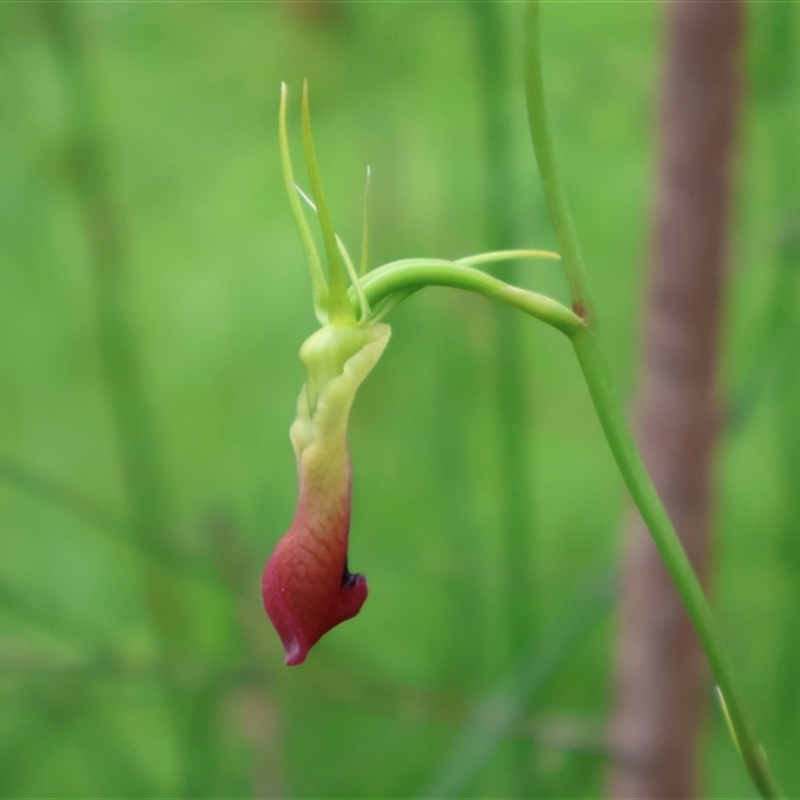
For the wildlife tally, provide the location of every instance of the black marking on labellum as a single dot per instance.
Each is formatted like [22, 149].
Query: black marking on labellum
[348, 578]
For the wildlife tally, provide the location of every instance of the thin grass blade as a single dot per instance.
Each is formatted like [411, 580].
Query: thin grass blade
[495, 717]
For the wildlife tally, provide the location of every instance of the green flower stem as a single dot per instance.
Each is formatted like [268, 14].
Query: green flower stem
[141, 463]
[556, 200]
[406, 277]
[609, 411]
[516, 411]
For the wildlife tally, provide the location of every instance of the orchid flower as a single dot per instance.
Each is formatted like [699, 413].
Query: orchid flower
[307, 586]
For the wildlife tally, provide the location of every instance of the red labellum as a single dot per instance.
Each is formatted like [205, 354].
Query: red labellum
[306, 587]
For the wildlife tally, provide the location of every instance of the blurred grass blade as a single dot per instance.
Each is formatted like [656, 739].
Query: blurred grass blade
[319, 286]
[108, 255]
[494, 718]
[58, 495]
[54, 618]
[88, 511]
[339, 308]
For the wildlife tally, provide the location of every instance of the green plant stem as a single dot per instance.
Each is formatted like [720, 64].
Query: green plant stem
[556, 200]
[781, 338]
[514, 415]
[609, 411]
[59, 496]
[615, 427]
[134, 428]
[406, 277]
[133, 421]
[139, 454]
[496, 715]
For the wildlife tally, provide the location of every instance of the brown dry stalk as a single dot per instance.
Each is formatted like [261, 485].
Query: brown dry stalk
[661, 673]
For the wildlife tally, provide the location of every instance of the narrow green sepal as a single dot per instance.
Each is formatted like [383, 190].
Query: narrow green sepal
[339, 308]
[506, 255]
[319, 286]
[364, 313]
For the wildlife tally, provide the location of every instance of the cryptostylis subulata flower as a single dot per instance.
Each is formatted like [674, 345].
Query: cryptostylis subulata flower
[307, 586]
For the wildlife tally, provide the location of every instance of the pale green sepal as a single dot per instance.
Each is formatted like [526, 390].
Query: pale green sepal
[365, 312]
[351, 270]
[506, 255]
[339, 308]
[319, 435]
[319, 286]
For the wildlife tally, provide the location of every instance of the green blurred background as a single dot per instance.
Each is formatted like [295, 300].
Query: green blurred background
[145, 401]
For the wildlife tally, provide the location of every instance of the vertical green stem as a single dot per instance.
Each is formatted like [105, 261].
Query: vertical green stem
[609, 410]
[556, 199]
[513, 407]
[457, 376]
[781, 340]
[141, 465]
[615, 427]
[134, 426]
[786, 690]
[513, 413]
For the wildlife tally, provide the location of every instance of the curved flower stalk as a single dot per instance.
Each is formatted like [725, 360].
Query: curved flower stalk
[307, 586]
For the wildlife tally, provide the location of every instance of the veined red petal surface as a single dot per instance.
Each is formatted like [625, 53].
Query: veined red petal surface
[306, 586]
